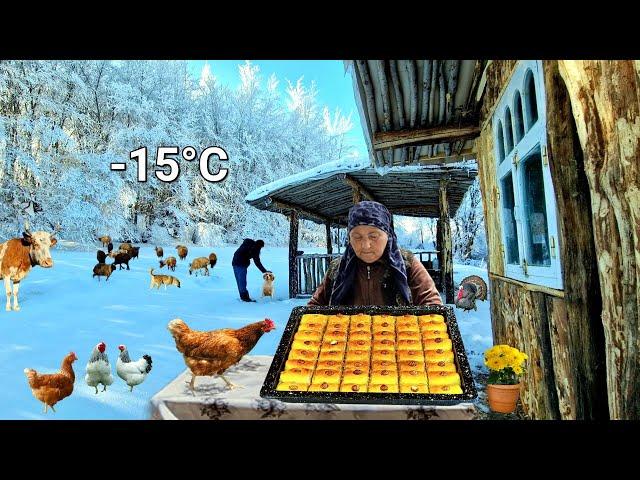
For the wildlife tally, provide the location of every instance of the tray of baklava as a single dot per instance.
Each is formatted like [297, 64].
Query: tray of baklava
[383, 355]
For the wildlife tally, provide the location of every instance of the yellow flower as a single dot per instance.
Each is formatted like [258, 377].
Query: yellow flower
[495, 364]
[503, 356]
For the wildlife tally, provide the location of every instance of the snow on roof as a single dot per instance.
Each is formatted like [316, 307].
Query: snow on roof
[316, 173]
[347, 165]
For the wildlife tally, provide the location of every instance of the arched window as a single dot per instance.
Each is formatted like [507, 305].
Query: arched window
[518, 117]
[500, 142]
[530, 96]
[508, 135]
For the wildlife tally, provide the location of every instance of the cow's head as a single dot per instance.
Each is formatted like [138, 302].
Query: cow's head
[39, 244]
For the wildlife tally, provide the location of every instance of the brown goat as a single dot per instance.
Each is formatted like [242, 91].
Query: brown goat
[105, 239]
[159, 252]
[122, 258]
[213, 259]
[182, 251]
[199, 263]
[170, 262]
[101, 256]
[103, 270]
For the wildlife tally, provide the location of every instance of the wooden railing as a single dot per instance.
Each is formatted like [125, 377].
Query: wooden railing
[311, 270]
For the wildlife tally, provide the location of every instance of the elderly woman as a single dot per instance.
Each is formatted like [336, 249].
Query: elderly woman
[373, 270]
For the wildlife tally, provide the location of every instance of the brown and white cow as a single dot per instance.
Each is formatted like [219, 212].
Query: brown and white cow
[18, 255]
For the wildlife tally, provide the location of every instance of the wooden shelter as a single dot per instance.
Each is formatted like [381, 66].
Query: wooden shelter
[558, 151]
[326, 193]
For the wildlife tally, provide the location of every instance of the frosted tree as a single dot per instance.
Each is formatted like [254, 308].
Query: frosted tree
[63, 122]
[468, 223]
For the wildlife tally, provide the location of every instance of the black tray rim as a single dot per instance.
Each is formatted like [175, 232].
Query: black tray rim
[469, 391]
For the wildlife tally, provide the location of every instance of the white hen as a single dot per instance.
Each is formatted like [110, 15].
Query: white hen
[133, 373]
[98, 368]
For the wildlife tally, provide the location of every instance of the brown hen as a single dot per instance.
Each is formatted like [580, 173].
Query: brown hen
[53, 387]
[213, 352]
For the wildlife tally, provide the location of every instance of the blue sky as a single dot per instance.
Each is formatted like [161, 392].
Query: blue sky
[334, 85]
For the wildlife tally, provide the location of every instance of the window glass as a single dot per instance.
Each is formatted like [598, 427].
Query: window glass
[510, 232]
[532, 106]
[500, 141]
[535, 211]
[508, 136]
[518, 117]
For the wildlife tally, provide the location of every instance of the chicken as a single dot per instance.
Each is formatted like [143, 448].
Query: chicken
[98, 368]
[133, 373]
[53, 387]
[471, 288]
[213, 352]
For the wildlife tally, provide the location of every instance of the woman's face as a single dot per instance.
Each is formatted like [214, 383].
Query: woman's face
[368, 242]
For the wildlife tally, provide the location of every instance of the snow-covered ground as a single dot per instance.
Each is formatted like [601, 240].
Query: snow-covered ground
[64, 309]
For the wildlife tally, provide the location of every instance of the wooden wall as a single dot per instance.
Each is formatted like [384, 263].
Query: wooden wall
[560, 331]
[605, 101]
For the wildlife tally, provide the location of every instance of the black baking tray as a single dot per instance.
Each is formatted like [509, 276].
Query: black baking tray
[469, 392]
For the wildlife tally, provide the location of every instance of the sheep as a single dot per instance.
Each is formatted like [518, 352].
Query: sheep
[182, 251]
[101, 256]
[105, 239]
[125, 246]
[159, 252]
[213, 259]
[103, 270]
[170, 262]
[134, 251]
[198, 263]
[122, 258]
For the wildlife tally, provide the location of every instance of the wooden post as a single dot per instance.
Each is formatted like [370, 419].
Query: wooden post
[357, 197]
[577, 341]
[293, 250]
[443, 238]
[329, 246]
[605, 101]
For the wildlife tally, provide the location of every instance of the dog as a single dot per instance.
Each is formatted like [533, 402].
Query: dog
[165, 280]
[267, 286]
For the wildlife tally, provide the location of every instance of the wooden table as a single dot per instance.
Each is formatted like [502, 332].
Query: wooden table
[213, 400]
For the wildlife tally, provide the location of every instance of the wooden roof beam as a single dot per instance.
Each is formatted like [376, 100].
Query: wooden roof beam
[444, 160]
[431, 210]
[356, 185]
[301, 210]
[424, 136]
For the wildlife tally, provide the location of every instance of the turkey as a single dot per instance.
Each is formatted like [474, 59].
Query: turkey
[471, 288]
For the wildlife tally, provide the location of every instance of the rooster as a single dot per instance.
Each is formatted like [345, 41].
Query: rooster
[53, 387]
[98, 368]
[213, 352]
[133, 373]
[471, 288]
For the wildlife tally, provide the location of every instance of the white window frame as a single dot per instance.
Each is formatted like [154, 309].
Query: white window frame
[535, 137]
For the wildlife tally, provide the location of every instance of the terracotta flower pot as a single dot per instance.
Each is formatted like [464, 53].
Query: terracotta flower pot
[503, 398]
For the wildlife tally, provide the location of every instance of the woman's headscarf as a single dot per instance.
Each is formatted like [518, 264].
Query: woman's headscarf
[373, 214]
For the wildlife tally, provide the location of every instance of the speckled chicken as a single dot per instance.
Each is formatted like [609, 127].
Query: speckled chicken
[98, 368]
[471, 288]
[133, 373]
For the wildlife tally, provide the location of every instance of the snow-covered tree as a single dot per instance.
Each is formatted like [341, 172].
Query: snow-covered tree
[63, 122]
[468, 226]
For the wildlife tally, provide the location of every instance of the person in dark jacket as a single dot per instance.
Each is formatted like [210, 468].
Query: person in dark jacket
[373, 270]
[250, 249]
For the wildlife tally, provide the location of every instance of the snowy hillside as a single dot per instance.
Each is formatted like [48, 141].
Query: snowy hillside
[64, 309]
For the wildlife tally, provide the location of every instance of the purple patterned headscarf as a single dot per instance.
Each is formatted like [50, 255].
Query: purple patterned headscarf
[373, 214]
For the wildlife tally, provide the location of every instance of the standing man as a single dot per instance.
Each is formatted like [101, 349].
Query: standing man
[250, 249]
